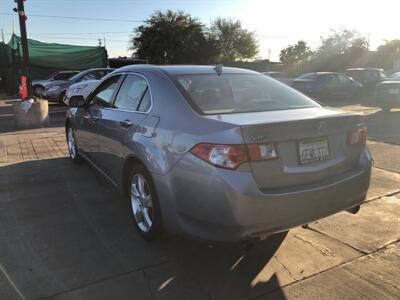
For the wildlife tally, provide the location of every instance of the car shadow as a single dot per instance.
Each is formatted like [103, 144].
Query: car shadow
[62, 226]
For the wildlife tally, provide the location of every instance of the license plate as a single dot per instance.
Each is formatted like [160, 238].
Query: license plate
[313, 151]
[394, 91]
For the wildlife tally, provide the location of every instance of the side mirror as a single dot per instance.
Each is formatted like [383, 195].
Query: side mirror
[76, 101]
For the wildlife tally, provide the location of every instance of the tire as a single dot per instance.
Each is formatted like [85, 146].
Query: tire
[38, 90]
[60, 99]
[144, 204]
[72, 147]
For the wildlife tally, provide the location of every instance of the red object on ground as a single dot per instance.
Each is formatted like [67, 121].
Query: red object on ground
[23, 88]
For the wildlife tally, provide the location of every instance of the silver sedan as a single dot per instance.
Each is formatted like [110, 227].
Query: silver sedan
[219, 153]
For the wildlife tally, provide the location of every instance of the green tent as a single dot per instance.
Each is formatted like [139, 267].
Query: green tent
[46, 58]
[60, 56]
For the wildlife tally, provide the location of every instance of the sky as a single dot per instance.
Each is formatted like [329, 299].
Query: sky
[276, 24]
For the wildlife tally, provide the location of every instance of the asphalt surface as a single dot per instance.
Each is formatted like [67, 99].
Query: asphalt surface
[66, 234]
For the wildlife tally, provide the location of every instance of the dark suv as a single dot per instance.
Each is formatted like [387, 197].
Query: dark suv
[368, 77]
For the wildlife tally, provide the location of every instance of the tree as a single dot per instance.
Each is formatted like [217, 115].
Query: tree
[232, 41]
[390, 47]
[296, 53]
[173, 37]
[342, 41]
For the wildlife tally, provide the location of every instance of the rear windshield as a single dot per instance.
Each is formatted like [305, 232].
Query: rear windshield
[307, 76]
[239, 93]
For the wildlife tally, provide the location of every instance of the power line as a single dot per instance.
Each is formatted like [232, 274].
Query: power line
[78, 18]
[77, 38]
[102, 33]
[83, 33]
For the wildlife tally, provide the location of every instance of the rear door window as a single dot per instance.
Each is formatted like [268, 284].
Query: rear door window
[238, 93]
[132, 93]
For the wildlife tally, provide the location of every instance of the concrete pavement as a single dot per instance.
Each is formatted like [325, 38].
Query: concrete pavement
[66, 234]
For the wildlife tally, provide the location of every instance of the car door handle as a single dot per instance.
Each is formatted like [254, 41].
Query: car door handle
[126, 123]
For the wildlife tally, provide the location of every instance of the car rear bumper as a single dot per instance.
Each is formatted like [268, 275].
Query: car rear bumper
[215, 204]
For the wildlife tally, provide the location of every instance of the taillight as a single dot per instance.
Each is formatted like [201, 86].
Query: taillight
[358, 136]
[232, 156]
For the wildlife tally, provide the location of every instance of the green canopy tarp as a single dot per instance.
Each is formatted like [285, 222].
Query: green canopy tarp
[5, 55]
[46, 58]
[61, 56]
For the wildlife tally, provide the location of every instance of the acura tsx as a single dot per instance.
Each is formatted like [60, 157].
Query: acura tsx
[218, 153]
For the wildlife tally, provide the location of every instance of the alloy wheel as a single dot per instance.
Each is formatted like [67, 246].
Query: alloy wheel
[71, 143]
[142, 203]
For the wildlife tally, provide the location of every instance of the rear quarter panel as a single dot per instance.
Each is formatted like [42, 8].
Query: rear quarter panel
[178, 130]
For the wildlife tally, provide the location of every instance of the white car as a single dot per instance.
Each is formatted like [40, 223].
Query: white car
[81, 88]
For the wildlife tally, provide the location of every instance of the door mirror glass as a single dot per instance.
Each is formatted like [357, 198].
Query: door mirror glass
[76, 101]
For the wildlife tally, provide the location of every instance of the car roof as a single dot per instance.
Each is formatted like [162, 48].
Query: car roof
[364, 69]
[97, 69]
[68, 71]
[318, 73]
[184, 69]
[326, 73]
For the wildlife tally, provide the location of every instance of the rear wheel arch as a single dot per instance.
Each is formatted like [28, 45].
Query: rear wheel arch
[61, 96]
[38, 86]
[35, 87]
[130, 162]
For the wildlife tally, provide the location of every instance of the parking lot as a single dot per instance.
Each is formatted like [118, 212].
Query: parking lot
[65, 233]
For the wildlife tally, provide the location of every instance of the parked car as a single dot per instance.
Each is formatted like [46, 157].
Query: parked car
[397, 74]
[388, 92]
[81, 88]
[39, 85]
[368, 77]
[280, 76]
[55, 92]
[326, 86]
[219, 153]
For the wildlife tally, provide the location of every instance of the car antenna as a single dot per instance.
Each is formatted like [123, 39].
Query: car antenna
[218, 69]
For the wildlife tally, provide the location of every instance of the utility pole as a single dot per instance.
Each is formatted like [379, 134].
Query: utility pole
[24, 43]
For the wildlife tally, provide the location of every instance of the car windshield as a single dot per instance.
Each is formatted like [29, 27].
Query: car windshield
[239, 93]
[51, 76]
[76, 76]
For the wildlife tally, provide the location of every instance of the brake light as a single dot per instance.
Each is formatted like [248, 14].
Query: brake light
[232, 156]
[358, 136]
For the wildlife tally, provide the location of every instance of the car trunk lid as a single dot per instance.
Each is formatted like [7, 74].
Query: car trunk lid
[290, 130]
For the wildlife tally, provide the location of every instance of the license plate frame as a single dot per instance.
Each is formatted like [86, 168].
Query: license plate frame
[313, 151]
